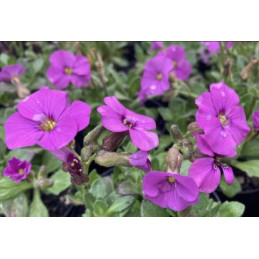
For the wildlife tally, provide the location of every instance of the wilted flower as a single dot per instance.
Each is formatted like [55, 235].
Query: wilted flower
[140, 160]
[11, 72]
[222, 119]
[155, 79]
[206, 171]
[156, 45]
[67, 68]
[256, 120]
[46, 118]
[17, 170]
[117, 118]
[181, 67]
[72, 165]
[169, 190]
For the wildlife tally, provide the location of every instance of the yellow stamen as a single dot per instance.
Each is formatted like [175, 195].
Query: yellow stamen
[126, 123]
[72, 164]
[21, 171]
[159, 76]
[48, 125]
[68, 71]
[223, 119]
[171, 179]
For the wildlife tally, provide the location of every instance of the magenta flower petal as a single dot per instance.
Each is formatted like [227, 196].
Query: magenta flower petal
[60, 136]
[183, 70]
[11, 71]
[144, 140]
[203, 145]
[79, 112]
[140, 160]
[169, 190]
[156, 45]
[206, 174]
[228, 174]
[116, 118]
[40, 104]
[62, 59]
[21, 132]
[176, 53]
[80, 81]
[229, 44]
[57, 77]
[17, 170]
[82, 67]
[256, 120]
[212, 46]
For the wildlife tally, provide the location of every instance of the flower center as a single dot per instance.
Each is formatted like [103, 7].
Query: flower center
[48, 125]
[159, 76]
[175, 64]
[21, 171]
[126, 123]
[68, 71]
[171, 179]
[223, 119]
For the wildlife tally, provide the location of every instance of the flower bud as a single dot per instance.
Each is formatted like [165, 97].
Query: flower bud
[109, 159]
[227, 67]
[176, 133]
[113, 140]
[87, 152]
[193, 127]
[174, 160]
[93, 135]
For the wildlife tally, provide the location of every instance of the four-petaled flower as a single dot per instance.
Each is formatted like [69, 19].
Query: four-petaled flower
[67, 68]
[206, 171]
[46, 118]
[222, 119]
[169, 190]
[17, 170]
[11, 72]
[117, 118]
[155, 80]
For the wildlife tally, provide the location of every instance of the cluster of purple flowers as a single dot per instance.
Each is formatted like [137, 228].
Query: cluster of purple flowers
[224, 124]
[155, 79]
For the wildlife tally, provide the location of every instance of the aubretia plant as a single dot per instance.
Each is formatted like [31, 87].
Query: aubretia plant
[134, 129]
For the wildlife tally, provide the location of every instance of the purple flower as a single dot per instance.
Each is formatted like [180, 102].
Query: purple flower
[169, 190]
[11, 72]
[67, 68]
[214, 46]
[221, 118]
[181, 67]
[117, 118]
[206, 171]
[256, 120]
[156, 45]
[140, 160]
[46, 118]
[17, 170]
[155, 79]
[72, 165]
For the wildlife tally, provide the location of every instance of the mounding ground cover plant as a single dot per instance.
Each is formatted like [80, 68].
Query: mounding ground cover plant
[129, 129]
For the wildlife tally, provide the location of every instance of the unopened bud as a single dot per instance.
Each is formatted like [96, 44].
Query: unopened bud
[247, 70]
[93, 135]
[109, 159]
[87, 152]
[176, 133]
[174, 160]
[172, 77]
[227, 67]
[193, 127]
[113, 140]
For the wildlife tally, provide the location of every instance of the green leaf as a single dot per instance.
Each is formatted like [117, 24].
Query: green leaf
[10, 189]
[149, 209]
[231, 209]
[38, 65]
[251, 167]
[185, 167]
[61, 181]
[128, 187]
[17, 207]
[89, 201]
[37, 207]
[250, 149]
[22, 154]
[121, 206]
[166, 114]
[230, 190]
[100, 208]
[101, 187]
